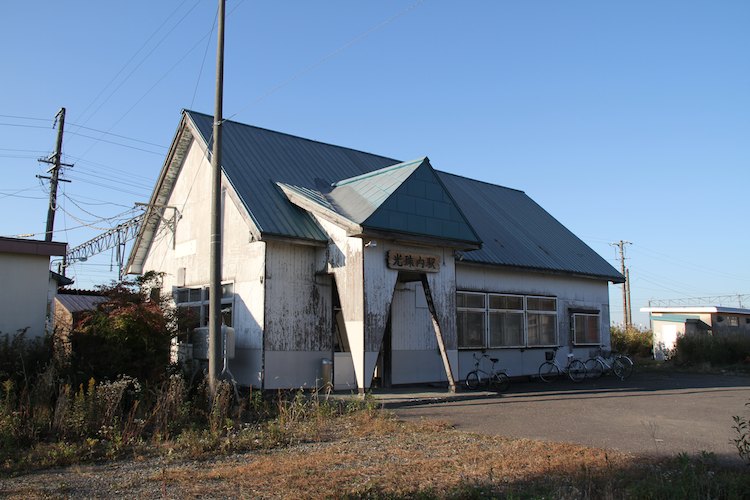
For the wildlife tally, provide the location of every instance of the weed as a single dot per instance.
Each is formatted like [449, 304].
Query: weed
[742, 439]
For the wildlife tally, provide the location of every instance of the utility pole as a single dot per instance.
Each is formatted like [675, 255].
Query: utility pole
[629, 318]
[626, 286]
[57, 164]
[214, 314]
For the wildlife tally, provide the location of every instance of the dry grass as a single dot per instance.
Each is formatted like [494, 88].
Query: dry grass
[372, 454]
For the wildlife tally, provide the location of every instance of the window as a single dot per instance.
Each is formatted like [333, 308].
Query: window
[586, 329]
[503, 320]
[541, 316]
[193, 306]
[506, 320]
[470, 319]
[734, 321]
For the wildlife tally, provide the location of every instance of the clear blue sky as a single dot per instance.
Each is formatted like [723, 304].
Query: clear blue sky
[625, 120]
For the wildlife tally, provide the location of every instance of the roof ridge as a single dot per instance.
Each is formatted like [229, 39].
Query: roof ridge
[480, 181]
[380, 171]
[294, 136]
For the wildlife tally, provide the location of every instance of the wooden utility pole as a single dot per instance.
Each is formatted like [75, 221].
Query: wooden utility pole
[214, 314]
[55, 175]
[626, 317]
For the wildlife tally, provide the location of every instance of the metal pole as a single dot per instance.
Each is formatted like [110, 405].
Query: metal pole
[630, 306]
[214, 315]
[54, 178]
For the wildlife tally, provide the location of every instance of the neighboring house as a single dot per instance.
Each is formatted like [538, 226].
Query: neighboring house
[669, 323]
[396, 272]
[29, 287]
[69, 307]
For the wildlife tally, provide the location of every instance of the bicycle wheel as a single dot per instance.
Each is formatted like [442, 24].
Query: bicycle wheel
[548, 371]
[576, 371]
[622, 366]
[500, 382]
[472, 380]
[594, 368]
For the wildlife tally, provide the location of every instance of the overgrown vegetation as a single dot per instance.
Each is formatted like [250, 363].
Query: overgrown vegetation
[127, 334]
[115, 398]
[632, 341]
[742, 436]
[712, 349]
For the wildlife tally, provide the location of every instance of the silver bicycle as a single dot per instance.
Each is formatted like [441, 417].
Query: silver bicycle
[606, 361]
[494, 379]
[550, 370]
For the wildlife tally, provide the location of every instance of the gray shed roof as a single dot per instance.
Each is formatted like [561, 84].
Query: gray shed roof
[77, 303]
[514, 230]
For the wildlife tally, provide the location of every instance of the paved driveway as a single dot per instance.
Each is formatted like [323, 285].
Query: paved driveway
[652, 412]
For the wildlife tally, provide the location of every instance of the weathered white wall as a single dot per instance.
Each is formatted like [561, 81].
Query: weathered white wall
[345, 263]
[415, 355]
[243, 259]
[24, 295]
[298, 329]
[571, 293]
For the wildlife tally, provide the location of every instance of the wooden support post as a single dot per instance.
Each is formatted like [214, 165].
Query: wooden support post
[438, 333]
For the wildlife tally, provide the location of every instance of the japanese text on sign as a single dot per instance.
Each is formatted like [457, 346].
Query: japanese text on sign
[413, 262]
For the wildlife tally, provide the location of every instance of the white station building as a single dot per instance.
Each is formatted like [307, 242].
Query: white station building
[393, 271]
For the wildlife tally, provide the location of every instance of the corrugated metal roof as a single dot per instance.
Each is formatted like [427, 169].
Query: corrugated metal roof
[77, 303]
[514, 230]
[357, 198]
[407, 198]
[254, 159]
[517, 232]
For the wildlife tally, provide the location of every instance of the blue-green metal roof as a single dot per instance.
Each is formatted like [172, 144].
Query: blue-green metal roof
[406, 198]
[514, 230]
[675, 318]
[517, 232]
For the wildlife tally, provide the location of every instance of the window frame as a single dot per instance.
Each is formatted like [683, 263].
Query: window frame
[575, 331]
[203, 303]
[542, 312]
[483, 310]
[521, 311]
[486, 344]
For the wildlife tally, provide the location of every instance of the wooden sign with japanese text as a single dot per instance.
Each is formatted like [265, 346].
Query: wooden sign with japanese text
[407, 261]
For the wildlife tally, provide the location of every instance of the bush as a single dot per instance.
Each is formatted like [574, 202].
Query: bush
[632, 341]
[128, 334]
[713, 349]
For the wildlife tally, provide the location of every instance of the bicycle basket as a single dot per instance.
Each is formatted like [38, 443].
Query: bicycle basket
[549, 355]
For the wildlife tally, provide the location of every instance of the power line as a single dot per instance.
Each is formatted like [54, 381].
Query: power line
[99, 139]
[117, 135]
[163, 23]
[329, 56]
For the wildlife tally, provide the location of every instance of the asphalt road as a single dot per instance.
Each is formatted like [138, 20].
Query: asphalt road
[652, 413]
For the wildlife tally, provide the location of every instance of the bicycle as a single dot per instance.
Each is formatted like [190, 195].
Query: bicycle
[494, 379]
[606, 361]
[550, 370]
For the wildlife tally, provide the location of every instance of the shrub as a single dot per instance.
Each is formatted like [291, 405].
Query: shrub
[127, 334]
[713, 349]
[632, 341]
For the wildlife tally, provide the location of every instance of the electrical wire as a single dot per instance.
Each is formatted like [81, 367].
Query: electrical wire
[327, 57]
[132, 58]
[203, 62]
[99, 139]
[167, 73]
[117, 135]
